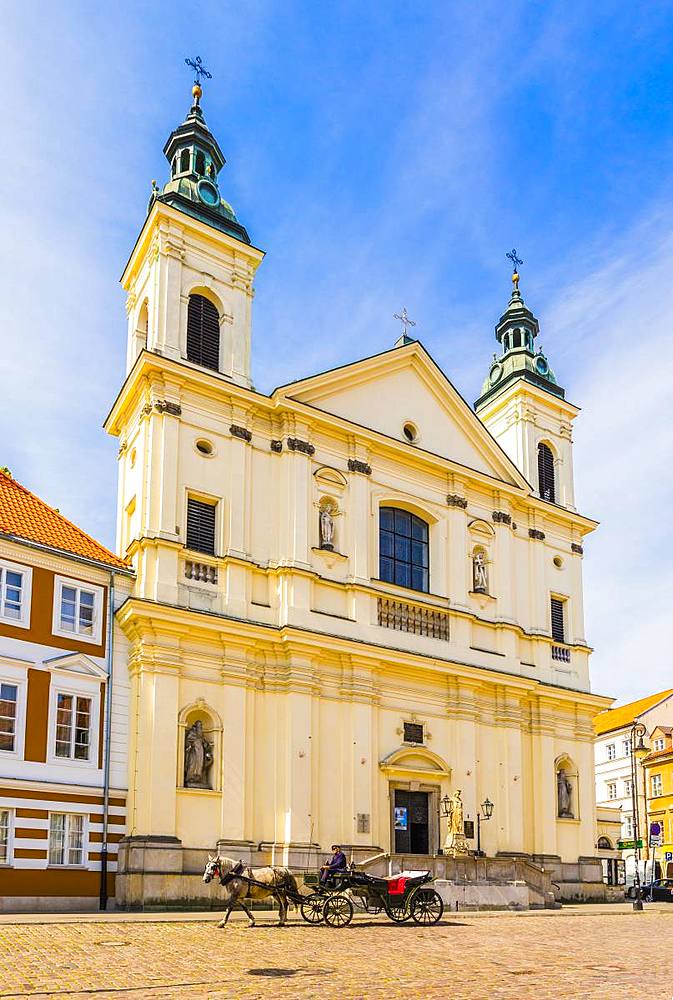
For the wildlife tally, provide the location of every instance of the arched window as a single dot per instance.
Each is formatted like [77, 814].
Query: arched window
[403, 549]
[184, 161]
[203, 332]
[517, 338]
[604, 844]
[174, 166]
[545, 472]
[200, 163]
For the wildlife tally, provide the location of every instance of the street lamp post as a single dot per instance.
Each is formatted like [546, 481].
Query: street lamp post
[482, 817]
[638, 750]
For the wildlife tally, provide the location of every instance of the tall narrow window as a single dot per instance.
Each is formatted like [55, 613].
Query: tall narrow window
[184, 161]
[66, 839]
[203, 332]
[9, 694]
[14, 594]
[545, 472]
[73, 726]
[200, 163]
[657, 785]
[5, 820]
[558, 630]
[201, 526]
[403, 548]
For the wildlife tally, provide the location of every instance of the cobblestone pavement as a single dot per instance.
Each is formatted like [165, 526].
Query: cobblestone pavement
[601, 956]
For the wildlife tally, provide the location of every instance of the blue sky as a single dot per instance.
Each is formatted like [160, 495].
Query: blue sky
[383, 155]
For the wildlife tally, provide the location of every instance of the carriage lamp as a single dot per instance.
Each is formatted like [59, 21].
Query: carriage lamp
[482, 817]
[444, 805]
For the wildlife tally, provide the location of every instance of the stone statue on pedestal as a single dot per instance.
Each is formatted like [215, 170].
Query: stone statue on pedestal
[479, 573]
[564, 791]
[198, 757]
[326, 529]
[455, 837]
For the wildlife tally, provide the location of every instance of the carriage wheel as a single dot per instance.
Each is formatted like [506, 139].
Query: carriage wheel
[311, 908]
[400, 912]
[426, 907]
[337, 911]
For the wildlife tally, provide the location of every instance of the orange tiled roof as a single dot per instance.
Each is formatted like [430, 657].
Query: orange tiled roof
[24, 515]
[625, 715]
[655, 755]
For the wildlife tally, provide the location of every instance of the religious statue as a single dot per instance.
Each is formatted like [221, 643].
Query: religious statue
[456, 824]
[326, 529]
[479, 573]
[564, 791]
[198, 757]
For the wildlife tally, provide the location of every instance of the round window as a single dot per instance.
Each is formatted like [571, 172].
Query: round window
[410, 433]
[204, 447]
[558, 562]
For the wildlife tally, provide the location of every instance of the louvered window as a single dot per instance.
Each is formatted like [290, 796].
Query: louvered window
[201, 526]
[203, 333]
[558, 620]
[403, 549]
[545, 472]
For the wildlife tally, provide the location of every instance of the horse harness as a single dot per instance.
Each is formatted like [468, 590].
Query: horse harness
[240, 871]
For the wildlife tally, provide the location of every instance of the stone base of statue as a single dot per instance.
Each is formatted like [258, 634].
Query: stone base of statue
[456, 845]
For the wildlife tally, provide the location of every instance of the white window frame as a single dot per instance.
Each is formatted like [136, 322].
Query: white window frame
[659, 743]
[10, 674]
[612, 790]
[84, 689]
[8, 863]
[628, 826]
[628, 786]
[656, 785]
[85, 839]
[65, 581]
[27, 592]
[611, 751]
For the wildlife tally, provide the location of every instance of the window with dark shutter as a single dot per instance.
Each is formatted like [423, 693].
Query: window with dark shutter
[413, 732]
[201, 526]
[545, 472]
[403, 549]
[203, 332]
[558, 620]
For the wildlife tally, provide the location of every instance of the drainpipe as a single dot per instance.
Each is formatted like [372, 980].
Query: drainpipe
[106, 752]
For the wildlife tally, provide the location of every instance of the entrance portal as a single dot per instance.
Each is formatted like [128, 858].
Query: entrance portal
[410, 822]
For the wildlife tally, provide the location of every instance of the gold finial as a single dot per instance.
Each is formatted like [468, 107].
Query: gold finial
[515, 281]
[196, 93]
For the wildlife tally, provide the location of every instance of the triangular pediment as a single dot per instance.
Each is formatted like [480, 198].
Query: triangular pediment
[76, 663]
[405, 386]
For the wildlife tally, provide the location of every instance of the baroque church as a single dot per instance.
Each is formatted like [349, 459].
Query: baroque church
[354, 597]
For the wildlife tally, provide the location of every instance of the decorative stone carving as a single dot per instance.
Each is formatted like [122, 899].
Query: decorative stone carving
[166, 406]
[198, 757]
[564, 793]
[355, 465]
[578, 549]
[277, 446]
[479, 572]
[240, 432]
[534, 533]
[146, 410]
[410, 618]
[296, 444]
[500, 517]
[326, 528]
[454, 500]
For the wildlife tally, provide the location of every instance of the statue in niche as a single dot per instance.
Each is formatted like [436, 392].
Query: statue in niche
[326, 529]
[479, 572]
[198, 757]
[564, 792]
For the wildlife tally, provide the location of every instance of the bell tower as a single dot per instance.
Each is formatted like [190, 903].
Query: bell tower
[189, 278]
[524, 407]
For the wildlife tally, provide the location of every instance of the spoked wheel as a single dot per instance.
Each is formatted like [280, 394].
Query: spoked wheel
[398, 911]
[337, 911]
[311, 908]
[426, 907]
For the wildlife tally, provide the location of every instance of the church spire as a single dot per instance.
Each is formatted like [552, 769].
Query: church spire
[195, 160]
[516, 331]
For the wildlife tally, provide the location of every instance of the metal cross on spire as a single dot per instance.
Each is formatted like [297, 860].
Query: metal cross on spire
[516, 260]
[199, 70]
[404, 320]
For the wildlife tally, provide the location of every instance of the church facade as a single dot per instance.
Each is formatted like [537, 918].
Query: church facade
[354, 596]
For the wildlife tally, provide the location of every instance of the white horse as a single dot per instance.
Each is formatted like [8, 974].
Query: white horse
[240, 883]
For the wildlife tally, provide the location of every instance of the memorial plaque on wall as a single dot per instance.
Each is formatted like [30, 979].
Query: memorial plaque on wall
[468, 826]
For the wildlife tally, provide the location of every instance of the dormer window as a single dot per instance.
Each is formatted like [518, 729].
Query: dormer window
[200, 163]
[184, 161]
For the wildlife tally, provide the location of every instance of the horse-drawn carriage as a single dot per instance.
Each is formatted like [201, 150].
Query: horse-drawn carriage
[408, 895]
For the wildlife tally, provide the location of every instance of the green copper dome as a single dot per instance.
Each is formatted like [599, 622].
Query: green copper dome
[516, 331]
[196, 159]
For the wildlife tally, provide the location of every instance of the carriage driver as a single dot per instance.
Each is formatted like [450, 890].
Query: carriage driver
[337, 863]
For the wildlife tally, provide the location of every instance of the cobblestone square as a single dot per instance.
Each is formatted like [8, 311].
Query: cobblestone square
[613, 955]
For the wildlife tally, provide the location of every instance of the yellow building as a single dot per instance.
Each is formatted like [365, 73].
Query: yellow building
[658, 768]
[354, 596]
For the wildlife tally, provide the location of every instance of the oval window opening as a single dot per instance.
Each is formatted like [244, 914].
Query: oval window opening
[410, 433]
[558, 562]
[205, 447]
